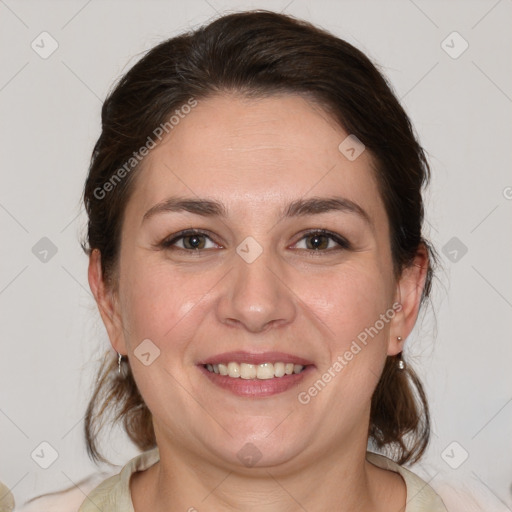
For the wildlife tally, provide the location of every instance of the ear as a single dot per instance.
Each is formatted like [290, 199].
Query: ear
[107, 303]
[409, 290]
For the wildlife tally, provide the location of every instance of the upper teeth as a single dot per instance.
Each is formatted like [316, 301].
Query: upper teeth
[255, 371]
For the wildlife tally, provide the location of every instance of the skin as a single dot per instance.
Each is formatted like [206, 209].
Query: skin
[256, 156]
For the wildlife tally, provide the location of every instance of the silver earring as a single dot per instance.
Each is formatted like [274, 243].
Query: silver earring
[401, 363]
[119, 359]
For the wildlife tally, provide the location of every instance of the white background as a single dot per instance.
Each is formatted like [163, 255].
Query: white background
[51, 334]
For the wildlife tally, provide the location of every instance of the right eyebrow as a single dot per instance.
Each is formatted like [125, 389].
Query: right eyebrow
[203, 207]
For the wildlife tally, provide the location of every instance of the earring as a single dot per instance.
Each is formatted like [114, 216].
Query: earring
[119, 359]
[400, 363]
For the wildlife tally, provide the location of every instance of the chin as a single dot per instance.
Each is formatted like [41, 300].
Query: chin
[250, 450]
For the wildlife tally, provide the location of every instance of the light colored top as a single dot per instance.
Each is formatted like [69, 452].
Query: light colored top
[113, 495]
[6, 499]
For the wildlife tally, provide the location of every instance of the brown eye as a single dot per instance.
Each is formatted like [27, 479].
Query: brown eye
[323, 241]
[194, 241]
[315, 242]
[189, 241]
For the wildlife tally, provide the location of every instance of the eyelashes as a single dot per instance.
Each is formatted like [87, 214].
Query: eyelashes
[321, 235]
[169, 243]
[196, 241]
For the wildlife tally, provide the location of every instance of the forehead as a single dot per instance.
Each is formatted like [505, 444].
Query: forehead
[256, 151]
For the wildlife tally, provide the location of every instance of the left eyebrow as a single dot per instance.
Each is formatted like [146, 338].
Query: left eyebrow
[298, 208]
[318, 205]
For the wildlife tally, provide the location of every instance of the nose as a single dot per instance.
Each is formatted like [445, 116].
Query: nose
[257, 295]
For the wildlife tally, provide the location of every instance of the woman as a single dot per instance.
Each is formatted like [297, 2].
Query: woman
[256, 254]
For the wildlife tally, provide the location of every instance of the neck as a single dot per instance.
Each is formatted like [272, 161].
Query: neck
[340, 480]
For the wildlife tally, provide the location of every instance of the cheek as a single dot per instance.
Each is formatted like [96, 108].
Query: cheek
[165, 307]
[355, 303]
[348, 300]
[155, 303]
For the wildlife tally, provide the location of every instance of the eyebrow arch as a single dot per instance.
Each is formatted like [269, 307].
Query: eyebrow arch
[317, 205]
[298, 208]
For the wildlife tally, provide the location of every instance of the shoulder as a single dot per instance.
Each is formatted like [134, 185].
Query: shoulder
[420, 496]
[63, 500]
[6, 498]
[113, 494]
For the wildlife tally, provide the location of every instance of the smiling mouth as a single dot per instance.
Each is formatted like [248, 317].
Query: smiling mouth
[248, 371]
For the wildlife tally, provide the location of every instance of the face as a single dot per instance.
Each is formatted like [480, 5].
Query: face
[287, 265]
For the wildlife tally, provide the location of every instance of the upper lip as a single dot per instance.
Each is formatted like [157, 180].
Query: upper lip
[241, 356]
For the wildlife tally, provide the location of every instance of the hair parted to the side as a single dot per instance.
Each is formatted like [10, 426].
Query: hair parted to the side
[257, 54]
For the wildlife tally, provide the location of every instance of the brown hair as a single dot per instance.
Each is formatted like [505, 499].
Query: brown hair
[260, 53]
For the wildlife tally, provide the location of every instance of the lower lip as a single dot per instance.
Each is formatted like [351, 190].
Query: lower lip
[256, 387]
